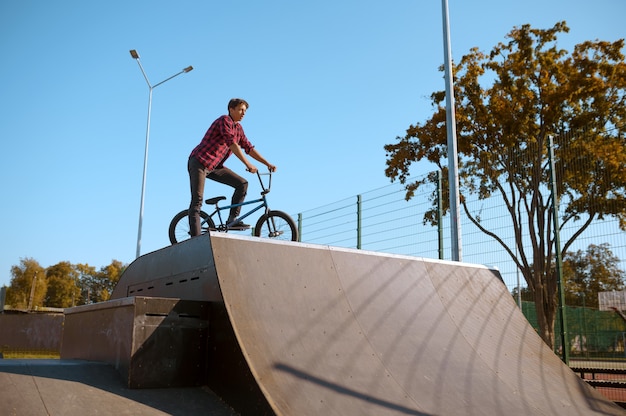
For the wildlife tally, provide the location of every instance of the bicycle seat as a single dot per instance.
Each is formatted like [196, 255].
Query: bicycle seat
[213, 201]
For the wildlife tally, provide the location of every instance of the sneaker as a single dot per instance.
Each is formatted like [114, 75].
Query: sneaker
[239, 225]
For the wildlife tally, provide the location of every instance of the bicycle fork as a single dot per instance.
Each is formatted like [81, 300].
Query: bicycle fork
[273, 231]
[271, 225]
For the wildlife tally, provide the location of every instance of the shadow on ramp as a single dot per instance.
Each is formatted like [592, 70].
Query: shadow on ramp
[343, 390]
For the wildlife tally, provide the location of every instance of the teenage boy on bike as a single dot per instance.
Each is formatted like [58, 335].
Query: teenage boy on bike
[223, 138]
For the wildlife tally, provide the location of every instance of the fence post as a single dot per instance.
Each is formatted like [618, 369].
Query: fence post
[358, 221]
[299, 226]
[557, 252]
[440, 213]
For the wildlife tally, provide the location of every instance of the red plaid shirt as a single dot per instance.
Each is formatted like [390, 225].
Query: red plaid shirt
[214, 148]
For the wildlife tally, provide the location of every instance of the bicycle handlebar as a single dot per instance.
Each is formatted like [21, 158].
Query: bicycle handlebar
[269, 185]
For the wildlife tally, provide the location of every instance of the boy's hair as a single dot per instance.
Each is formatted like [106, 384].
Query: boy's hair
[233, 103]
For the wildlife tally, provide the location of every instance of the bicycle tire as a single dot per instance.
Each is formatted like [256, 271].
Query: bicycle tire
[277, 225]
[179, 226]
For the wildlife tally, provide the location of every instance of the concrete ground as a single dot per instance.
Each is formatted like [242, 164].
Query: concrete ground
[78, 388]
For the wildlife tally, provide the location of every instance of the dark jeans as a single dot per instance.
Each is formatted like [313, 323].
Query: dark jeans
[197, 175]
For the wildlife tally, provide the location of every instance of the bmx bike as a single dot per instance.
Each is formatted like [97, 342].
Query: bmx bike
[272, 224]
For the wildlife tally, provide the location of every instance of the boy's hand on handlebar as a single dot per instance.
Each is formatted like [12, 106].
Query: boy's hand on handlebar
[271, 168]
[252, 169]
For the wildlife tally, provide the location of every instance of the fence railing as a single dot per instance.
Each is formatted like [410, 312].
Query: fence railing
[383, 220]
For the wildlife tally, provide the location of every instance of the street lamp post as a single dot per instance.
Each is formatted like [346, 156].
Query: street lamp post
[135, 56]
[453, 158]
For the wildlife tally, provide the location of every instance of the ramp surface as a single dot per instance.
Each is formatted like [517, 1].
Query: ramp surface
[329, 331]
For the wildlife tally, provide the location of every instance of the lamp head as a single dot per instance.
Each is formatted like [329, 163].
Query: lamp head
[188, 69]
[134, 54]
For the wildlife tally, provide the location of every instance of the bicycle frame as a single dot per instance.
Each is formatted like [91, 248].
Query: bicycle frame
[262, 204]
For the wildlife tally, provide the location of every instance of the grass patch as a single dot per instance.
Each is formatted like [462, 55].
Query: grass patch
[21, 354]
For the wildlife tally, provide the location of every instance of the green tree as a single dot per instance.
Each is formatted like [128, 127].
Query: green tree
[589, 272]
[88, 281]
[97, 286]
[63, 291]
[532, 90]
[109, 276]
[62, 285]
[21, 294]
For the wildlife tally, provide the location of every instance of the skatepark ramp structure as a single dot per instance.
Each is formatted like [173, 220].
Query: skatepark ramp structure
[332, 331]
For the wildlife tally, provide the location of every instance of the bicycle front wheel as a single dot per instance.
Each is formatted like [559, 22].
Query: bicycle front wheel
[277, 225]
[179, 226]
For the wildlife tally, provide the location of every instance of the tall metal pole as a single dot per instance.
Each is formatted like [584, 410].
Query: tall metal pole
[557, 252]
[135, 56]
[453, 163]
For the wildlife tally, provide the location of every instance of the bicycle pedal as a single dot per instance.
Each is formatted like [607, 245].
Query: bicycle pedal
[239, 226]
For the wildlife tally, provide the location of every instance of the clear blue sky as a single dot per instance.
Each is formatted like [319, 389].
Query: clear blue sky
[329, 84]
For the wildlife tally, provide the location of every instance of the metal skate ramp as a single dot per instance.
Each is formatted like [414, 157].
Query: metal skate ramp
[329, 331]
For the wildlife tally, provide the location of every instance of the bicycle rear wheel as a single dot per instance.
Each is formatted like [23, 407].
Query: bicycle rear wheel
[277, 225]
[179, 226]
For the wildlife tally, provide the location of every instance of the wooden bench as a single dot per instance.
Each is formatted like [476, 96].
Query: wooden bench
[595, 382]
[618, 384]
[595, 370]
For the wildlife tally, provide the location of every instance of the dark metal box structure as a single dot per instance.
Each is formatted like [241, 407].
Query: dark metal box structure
[152, 342]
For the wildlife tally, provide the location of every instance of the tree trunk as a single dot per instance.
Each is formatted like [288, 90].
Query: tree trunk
[546, 310]
[546, 330]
